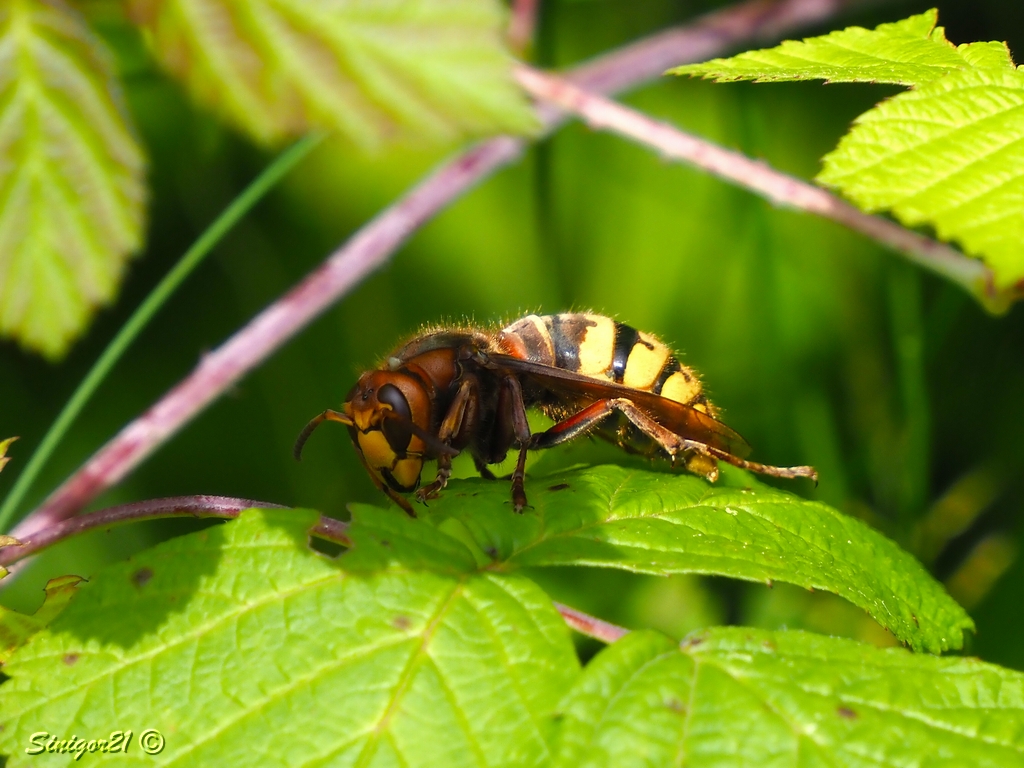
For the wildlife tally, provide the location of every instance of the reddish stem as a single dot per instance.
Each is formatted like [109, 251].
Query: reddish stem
[590, 626]
[198, 507]
[756, 176]
[522, 24]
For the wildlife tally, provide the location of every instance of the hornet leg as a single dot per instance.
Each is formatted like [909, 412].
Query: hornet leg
[521, 429]
[465, 399]
[670, 442]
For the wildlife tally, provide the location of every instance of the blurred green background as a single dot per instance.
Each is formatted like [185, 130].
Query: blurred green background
[820, 347]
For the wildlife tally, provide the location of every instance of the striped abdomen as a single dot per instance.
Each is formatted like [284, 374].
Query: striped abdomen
[602, 348]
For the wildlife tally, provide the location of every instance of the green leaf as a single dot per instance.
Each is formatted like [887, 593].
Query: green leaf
[71, 185]
[949, 154]
[665, 523]
[373, 71]
[742, 697]
[4, 445]
[946, 154]
[389, 537]
[908, 52]
[16, 628]
[239, 641]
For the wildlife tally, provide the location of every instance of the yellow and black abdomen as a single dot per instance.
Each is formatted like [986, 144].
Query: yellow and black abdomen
[602, 348]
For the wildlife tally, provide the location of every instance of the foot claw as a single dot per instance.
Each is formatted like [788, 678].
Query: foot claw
[517, 508]
[423, 495]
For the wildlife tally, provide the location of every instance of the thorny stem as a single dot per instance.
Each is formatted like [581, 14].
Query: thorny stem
[777, 187]
[228, 508]
[371, 246]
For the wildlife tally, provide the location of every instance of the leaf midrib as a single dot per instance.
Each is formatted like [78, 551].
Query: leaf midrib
[369, 749]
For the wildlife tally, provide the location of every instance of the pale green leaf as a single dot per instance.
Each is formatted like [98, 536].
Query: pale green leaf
[244, 647]
[71, 176]
[16, 628]
[908, 52]
[993, 55]
[665, 523]
[736, 697]
[949, 154]
[4, 445]
[371, 70]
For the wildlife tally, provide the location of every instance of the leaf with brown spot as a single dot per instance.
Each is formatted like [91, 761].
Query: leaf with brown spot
[661, 523]
[405, 655]
[758, 698]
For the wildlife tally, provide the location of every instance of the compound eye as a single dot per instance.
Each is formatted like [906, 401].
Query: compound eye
[398, 432]
[391, 395]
